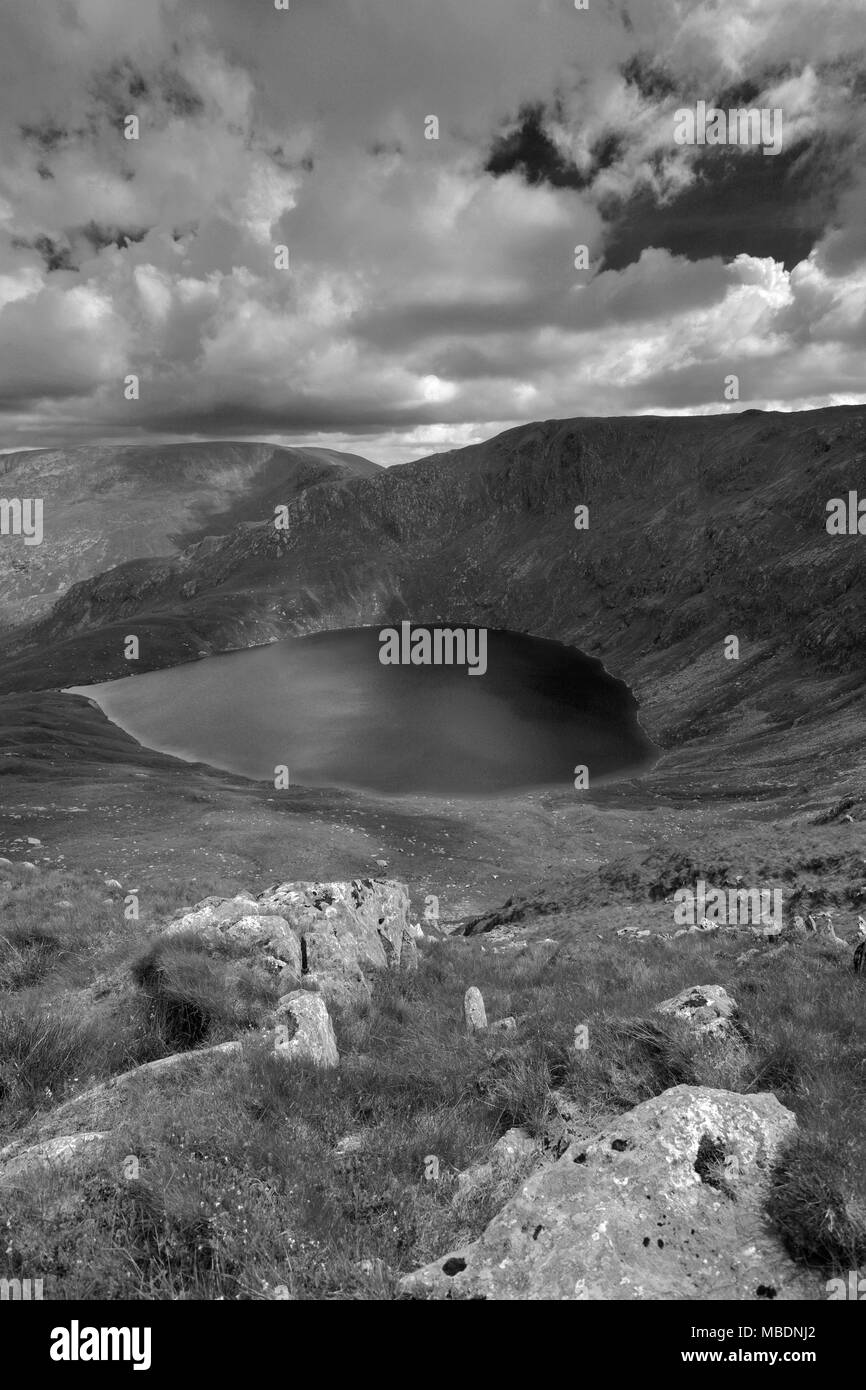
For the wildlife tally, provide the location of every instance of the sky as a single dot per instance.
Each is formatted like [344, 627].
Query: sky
[431, 297]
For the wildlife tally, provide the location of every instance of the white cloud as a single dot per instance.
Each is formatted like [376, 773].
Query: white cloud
[427, 302]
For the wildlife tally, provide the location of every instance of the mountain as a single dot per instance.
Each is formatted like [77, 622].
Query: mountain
[699, 529]
[103, 506]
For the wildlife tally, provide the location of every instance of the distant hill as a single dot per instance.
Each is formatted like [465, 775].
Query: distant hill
[700, 528]
[107, 505]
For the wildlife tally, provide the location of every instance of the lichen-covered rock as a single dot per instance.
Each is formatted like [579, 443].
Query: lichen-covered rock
[664, 1203]
[707, 1009]
[304, 1030]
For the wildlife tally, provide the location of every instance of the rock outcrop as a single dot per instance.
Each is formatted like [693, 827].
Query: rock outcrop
[664, 1203]
[343, 925]
[331, 936]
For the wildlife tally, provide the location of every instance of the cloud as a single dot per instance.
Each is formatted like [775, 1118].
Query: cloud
[431, 295]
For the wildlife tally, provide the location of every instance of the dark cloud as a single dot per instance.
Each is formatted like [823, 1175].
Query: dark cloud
[740, 202]
[529, 151]
[98, 236]
[55, 256]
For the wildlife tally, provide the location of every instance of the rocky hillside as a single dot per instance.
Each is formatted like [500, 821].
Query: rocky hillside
[104, 506]
[699, 528]
[299, 1094]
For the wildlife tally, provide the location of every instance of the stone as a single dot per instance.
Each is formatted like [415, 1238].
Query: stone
[708, 1010]
[304, 1030]
[6, 863]
[348, 1150]
[504, 1025]
[474, 1012]
[238, 923]
[664, 1203]
[513, 1154]
[103, 1105]
[59, 1152]
[358, 922]
[350, 1144]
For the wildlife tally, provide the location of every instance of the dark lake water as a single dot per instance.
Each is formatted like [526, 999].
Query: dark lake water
[327, 708]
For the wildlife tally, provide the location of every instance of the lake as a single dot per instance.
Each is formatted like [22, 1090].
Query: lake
[328, 709]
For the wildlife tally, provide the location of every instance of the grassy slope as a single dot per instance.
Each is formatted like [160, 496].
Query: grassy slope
[236, 1191]
[755, 754]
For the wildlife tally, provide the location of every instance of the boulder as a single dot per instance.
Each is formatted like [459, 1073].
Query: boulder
[708, 1010]
[474, 1013]
[664, 1203]
[304, 1030]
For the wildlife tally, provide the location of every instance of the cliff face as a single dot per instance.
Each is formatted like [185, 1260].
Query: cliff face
[699, 529]
[104, 506]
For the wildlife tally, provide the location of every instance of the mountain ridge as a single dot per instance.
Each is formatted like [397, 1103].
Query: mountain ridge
[700, 528]
[112, 504]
